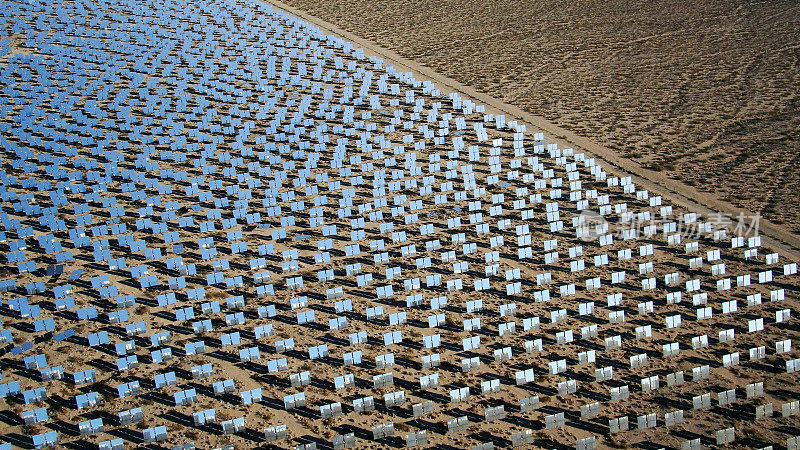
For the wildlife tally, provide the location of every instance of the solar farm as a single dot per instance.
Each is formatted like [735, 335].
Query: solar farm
[224, 228]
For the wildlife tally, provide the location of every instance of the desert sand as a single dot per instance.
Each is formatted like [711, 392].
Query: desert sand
[704, 94]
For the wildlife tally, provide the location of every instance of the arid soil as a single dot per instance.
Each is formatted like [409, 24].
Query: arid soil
[703, 91]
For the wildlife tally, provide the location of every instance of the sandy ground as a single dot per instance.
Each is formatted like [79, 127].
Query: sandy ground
[701, 97]
[305, 424]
